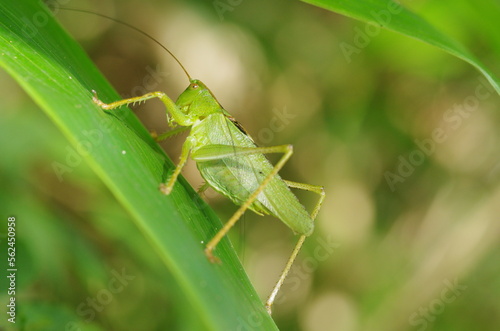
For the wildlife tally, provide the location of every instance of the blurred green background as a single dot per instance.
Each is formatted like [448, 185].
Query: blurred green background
[404, 137]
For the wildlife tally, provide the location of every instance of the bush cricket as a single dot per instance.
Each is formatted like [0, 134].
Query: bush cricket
[229, 161]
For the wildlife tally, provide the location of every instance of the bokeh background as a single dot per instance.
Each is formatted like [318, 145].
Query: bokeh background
[404, 137]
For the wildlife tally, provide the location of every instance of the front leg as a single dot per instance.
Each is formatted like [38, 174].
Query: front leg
[176, 115]
[186, 149]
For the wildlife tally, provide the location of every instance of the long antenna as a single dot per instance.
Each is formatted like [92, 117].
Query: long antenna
[133, 28]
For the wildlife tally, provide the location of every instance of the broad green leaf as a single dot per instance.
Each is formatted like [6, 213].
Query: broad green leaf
[394, 16]
[58, 75]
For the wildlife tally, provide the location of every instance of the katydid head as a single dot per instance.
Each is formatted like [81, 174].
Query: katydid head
[197, 100]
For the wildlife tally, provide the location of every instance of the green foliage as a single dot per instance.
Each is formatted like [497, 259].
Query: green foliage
[394, 16]
[385, 249]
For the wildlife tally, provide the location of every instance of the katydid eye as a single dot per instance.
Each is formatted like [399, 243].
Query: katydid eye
[194, 86]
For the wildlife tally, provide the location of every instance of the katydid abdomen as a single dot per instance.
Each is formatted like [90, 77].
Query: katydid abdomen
[237, 176]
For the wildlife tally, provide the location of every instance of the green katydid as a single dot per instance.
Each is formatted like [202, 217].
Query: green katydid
[230, 162]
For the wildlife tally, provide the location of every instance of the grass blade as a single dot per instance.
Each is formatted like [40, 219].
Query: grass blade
[395, 17]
